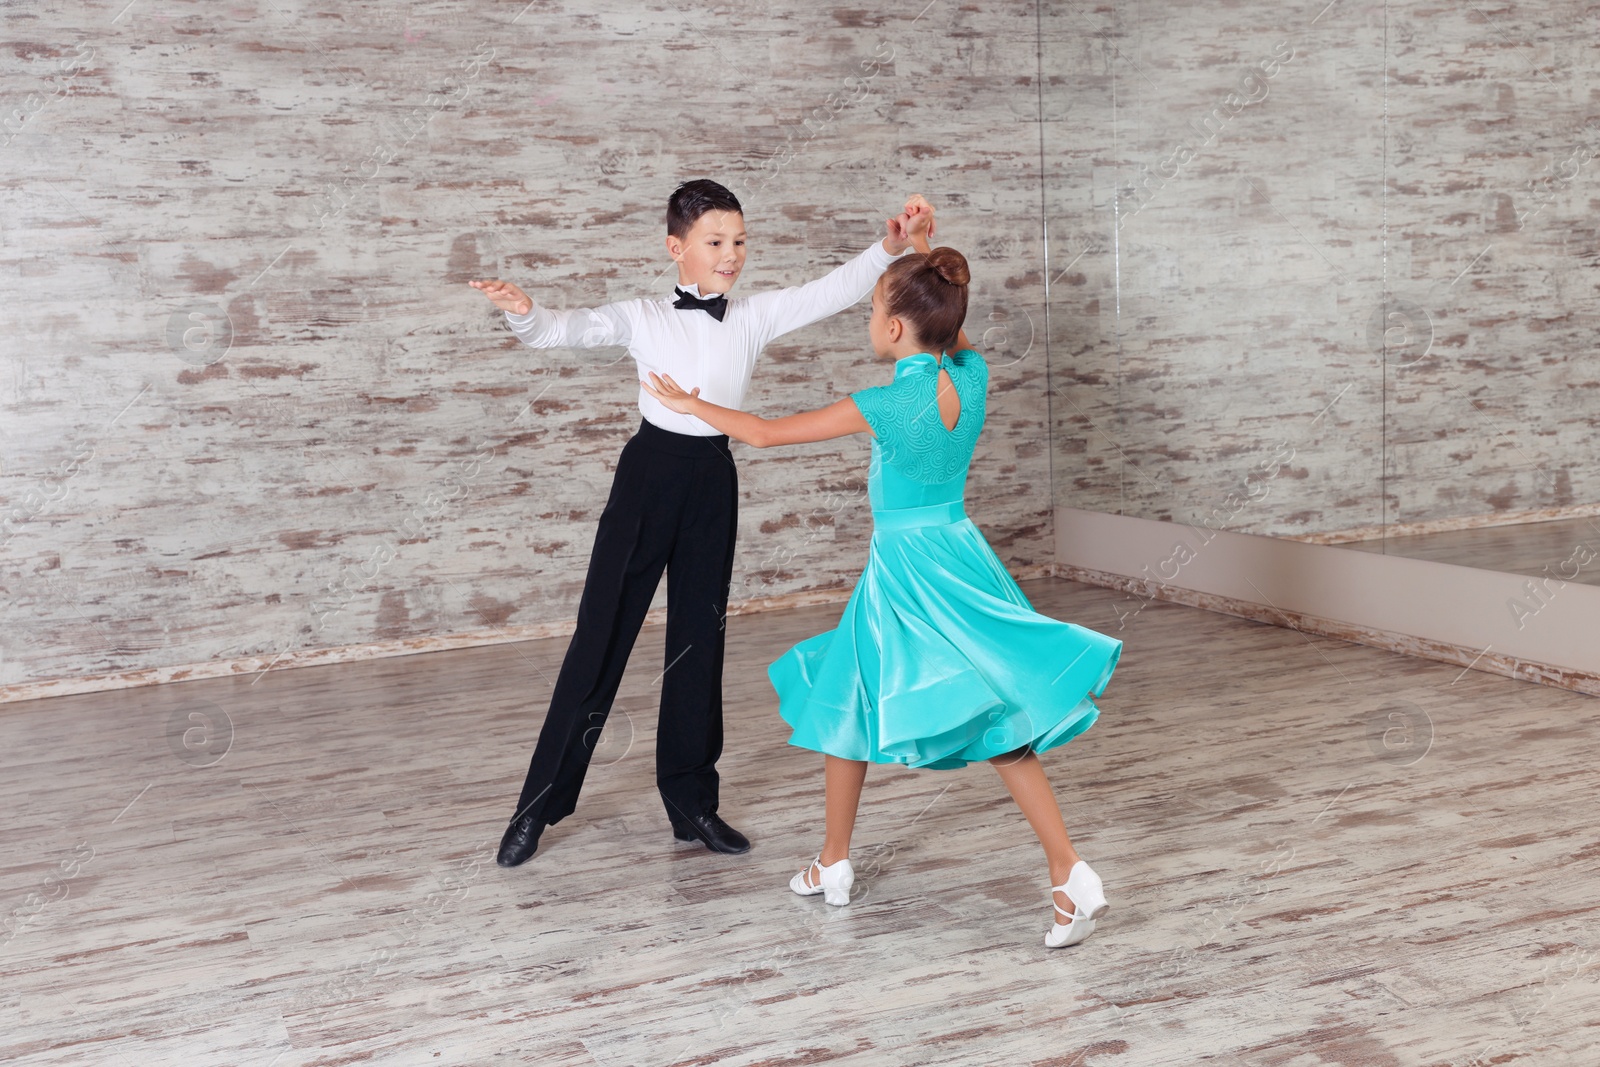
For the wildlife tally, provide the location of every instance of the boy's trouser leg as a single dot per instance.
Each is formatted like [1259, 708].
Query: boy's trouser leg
[689, 734]
[632, 544]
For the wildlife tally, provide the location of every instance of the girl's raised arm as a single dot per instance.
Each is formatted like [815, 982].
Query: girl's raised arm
[918, 224]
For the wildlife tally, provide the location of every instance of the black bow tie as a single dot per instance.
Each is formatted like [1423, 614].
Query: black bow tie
[715, 306]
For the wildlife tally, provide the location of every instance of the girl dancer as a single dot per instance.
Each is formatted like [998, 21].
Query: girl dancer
[938, 659]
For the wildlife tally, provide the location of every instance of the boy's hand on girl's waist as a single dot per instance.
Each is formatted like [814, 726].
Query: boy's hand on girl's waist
[505, 296]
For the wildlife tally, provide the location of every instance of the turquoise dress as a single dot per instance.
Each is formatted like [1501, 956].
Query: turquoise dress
[938, 660]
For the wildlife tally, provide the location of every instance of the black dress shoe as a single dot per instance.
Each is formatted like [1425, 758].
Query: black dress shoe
[717, 835]
[521, 840]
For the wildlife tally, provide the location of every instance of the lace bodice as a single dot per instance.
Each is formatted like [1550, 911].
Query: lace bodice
[915, 460]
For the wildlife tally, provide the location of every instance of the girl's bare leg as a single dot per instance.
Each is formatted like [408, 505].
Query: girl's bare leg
[843, 778]
[1024, 776]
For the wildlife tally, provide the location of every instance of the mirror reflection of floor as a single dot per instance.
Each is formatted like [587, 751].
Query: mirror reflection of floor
[1562, 549]
[1316, 853]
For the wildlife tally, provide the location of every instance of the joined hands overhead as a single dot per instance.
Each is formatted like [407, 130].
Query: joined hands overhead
[913, 226]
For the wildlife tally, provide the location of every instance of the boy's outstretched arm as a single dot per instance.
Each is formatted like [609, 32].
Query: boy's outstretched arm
[836, 420]
[789, 309]
[608, 324]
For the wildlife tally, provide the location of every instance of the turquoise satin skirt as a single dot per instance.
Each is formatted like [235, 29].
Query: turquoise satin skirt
[939, 660]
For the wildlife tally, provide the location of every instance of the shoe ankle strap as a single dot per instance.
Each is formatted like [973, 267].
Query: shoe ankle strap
[1062, 888]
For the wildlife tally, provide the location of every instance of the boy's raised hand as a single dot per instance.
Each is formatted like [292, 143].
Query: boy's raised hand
[505, 296]
[897, 240]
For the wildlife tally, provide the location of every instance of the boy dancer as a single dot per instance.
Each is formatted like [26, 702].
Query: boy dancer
[673, 507]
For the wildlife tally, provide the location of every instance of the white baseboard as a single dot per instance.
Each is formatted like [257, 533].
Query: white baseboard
[1417, 607]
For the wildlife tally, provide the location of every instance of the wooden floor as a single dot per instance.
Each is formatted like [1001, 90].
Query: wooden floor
[1558, 550]
[1317, 853]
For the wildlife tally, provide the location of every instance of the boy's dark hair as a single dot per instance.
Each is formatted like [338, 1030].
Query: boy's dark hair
[929, 292]
[692, 199]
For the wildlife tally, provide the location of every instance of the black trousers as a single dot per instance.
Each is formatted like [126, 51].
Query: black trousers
[674, 506]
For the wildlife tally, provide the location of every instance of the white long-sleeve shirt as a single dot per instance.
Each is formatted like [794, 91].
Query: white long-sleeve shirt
[694, 348]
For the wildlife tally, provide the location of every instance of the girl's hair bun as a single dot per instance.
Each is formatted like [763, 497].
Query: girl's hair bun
[929, 291]
[950, 265]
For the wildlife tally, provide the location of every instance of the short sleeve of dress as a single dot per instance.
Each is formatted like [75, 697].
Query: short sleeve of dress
[884, 405]
[974, 370]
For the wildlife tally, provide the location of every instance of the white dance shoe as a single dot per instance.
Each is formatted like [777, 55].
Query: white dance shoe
[837, 878]
[1088, 898]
